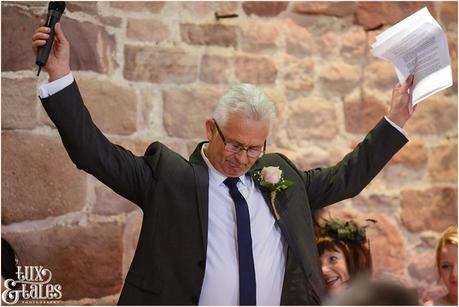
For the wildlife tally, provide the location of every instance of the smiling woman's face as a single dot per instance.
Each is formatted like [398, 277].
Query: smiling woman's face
[334, 270]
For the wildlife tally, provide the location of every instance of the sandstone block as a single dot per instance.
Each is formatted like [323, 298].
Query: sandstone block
[210, 34]
[312, 117]
[340, 77]
[138, 6]
[300, 42]
[136, 146]
[256, 37]
[299, 79]
[372, 15]
[387, 245]
[264, 8]
[328, 43]
[16, 42]
[214, 69]
[413, 155]
[256, 70]
[159, 65]
[312, 157]
[92, 47]
[112, 21]
[82, 6]
[338, 9]
[276, 95]
[30, 4]
[362, 113]
[448, 15]
[179, 121]
[380, 75]
[113, 108]
[435, 115]
[374, 199]
[39, 179]
[19, 103]
[147, 30]
[209, 8]
[86, 260]
[443, 162]
[432, 208]
[110, 203]
[422, 267]
[139, 146]
[150, 115]
[354, 43]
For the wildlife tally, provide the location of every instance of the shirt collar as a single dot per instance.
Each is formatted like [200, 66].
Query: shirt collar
[217, 177]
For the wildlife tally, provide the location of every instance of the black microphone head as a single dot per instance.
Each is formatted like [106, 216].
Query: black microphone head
[57, 6]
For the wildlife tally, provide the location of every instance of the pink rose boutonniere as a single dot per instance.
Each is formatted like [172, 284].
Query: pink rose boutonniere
[272, 179]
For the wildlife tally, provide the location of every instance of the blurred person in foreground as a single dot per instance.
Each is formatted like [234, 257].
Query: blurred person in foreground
[367, 292]
[199, 212]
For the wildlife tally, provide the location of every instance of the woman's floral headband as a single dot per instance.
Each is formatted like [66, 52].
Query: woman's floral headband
[345, 231]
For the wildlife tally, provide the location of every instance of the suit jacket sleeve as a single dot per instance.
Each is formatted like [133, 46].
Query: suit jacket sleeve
[354, 172]
[118, 168]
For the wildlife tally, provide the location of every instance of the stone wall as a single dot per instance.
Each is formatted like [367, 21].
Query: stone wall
[142, 67]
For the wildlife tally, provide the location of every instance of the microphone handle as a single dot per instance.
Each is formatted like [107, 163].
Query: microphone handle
[43, 52]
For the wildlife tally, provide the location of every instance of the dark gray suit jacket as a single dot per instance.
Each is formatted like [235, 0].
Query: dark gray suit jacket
[169, 262]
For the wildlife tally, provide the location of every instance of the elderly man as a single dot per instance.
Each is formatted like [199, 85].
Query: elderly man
[212, 232]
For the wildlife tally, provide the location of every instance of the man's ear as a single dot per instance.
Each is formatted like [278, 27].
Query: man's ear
[210, 129]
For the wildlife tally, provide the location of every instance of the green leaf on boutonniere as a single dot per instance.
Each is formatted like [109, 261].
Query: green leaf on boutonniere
[283, 185]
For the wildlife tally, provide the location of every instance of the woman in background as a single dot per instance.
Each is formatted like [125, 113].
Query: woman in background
[447, 265]
[344, 253]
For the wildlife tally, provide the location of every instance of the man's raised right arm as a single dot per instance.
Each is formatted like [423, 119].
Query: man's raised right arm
[127, 174]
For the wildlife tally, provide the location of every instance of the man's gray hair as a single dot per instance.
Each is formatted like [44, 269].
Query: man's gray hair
[246, 99]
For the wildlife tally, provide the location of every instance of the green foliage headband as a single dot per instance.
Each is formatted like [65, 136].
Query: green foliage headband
[345, 231]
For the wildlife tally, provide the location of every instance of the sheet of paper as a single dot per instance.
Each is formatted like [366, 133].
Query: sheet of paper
[417, 45]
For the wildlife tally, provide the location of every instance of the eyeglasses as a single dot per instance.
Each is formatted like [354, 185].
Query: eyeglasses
[252, 152]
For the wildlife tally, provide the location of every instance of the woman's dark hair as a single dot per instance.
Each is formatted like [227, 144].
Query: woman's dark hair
[351, 240]
[358, 256]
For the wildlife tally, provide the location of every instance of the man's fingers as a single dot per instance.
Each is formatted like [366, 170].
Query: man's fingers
[42, 30]
[410, 80]
[407, 84]
[40, 35]
[59, 33]
[38, 43]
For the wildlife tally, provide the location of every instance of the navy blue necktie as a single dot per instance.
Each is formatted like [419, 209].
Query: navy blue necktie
[247, 285]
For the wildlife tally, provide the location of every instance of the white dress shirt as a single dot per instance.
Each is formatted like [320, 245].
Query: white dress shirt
[47, 89]
[221, 277]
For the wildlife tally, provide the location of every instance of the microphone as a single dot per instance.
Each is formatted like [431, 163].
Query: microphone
[55, 10]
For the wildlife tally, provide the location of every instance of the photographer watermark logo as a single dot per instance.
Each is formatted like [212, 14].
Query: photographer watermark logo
[31, 287]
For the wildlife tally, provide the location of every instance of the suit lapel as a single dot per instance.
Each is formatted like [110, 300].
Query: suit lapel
[201, 175]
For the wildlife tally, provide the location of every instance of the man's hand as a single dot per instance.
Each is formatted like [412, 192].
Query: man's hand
[400, 108]
[58, 64]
